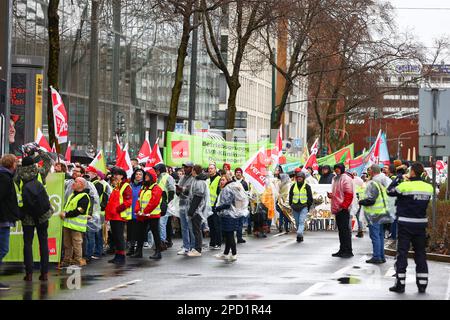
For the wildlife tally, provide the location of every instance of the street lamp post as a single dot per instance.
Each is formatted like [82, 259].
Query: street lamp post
[399, 141]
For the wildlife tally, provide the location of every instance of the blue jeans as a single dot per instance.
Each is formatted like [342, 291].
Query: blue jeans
[163, 227]
[376, 232]
[94, 243]
[4, 242]
[186, 231]
[300, 217]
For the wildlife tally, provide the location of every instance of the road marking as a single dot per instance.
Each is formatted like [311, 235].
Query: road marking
[122, 285]
[279, 234]
[447, 295]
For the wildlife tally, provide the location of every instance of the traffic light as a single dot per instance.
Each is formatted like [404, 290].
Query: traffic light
[121, 127]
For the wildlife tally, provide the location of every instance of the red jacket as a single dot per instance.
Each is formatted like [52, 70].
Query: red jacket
[114, 208]
[152, 204]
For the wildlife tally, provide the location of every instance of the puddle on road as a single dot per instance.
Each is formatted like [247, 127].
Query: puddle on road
[349, 280]
[356, 267]
[248, 296]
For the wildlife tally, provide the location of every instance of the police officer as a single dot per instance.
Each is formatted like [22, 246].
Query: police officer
[413, 197]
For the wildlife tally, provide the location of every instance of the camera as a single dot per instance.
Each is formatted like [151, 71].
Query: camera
[29, 149]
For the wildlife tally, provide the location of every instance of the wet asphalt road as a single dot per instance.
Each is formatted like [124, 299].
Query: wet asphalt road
[273, 268]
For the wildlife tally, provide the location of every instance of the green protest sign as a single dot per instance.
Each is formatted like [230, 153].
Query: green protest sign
[55, 190]
[202, 151]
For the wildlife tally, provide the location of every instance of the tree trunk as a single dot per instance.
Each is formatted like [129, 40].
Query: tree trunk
[93, 76]
[177, 86]
[231, 116]
[53, 66]
[280, 108]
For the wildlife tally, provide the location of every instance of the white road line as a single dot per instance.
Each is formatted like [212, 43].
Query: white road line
[312, 289]
[122, 285]
[277, 235]
[447, 295]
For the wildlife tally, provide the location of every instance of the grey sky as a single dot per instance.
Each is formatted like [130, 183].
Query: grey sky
[423, 24]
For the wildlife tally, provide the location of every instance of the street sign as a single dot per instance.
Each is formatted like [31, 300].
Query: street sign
[180, 127]
[297, 143]
[440, 126]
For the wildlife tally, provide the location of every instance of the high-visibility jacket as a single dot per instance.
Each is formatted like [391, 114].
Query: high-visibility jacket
[360, 191]
[144, 199]
[300, 195]
[102, 212]
[213, 190]
[127, 213]
[380, 205]
[163, 183]
[19, 188]
[79, 222]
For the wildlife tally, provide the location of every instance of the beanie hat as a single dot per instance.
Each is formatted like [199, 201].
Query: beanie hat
[27, 161]
[237, 169]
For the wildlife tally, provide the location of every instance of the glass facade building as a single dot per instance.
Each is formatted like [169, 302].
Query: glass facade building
[136, 68]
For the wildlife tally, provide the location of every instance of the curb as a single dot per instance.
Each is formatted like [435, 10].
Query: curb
[430, 256]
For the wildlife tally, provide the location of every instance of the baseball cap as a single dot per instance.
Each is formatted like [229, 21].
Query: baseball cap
[188, 164]
[300, 174]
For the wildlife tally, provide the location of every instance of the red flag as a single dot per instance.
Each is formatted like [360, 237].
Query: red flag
[118, 149]
[124, 162]
[59, 117]
[312, 162]
[315, 147]
[68, 155]
[255, 170]
[277, 151]
[42, 141]
[144, 152]
[155, 157]
[374, 155]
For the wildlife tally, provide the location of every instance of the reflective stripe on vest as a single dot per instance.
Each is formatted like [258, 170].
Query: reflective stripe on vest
[379, 207]
[213, 190]
[19, 189]
[126, 214]
[144, 199]
[300, 195]
[79, 222]
[417, 187]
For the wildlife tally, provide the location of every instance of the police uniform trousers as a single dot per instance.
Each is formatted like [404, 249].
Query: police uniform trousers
[415, 234]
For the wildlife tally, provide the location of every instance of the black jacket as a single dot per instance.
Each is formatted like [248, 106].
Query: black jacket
[36, 202]
[9, 209]
[326, 178]
[299, 206]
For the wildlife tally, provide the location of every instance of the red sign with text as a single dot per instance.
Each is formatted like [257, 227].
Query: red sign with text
[180, 149]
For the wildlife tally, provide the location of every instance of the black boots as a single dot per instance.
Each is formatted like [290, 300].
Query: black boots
[118, 259]
[156, 255]
[28, 277]
[299, 238]
[422, 282]
[137, 253]
[399, 286]
[131, 251]
[360, 234]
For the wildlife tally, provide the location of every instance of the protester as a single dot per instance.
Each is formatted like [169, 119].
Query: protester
[9, 210]
[36, 212]
[413, 196]
[300, 200]
[118, 212]
[231, 205]
[215, 232]
[148, 213]
[326, 176]
[240, 178]
[199, 208]
[341, 198]
[137, 178]
[167, 184]
[182, 189]
[375, 206]
[75, 216]
[283, 202]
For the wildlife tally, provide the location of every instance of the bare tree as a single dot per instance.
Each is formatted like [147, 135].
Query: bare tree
[243, 19]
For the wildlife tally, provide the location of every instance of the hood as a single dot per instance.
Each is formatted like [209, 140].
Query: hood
[330, 171]
[27, 173]
[340, 166]
[152, 173]
[201, 176]
[4, 170]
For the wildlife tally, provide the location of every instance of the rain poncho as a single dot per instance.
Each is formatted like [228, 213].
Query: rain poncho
[235, 196]
[285, 186]
[200, 188]
[185, 182]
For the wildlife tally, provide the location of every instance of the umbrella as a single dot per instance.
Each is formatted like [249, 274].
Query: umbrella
[81, 156]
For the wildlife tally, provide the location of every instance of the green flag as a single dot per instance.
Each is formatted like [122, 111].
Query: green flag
[99, 162]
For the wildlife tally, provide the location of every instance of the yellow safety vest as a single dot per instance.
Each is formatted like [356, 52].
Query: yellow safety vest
[77, 223]
[213, 190]
[144, 199]
[300, 195]
[361, 191]
[163, 183]
[19, 189]
[102, 212]
[379, 207]
[126, 214]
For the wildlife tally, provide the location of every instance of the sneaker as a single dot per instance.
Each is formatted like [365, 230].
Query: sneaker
[216, 247]
[95, 257]
[194, 253]
[182, 252]
[220, 256]
[232, 258]
[374, 261]
[4, 286]
[146, 245]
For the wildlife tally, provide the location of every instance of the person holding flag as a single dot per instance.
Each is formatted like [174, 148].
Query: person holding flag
[118, 212]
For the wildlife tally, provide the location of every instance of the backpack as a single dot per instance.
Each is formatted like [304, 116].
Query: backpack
[35, 198]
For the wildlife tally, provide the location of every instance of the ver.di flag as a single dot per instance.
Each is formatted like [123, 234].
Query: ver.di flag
[42, 141]
[118, 149]
[255, 170]
[144, 152]
[68, 155]
[125, 162]
[155, 156]
[59, 117]
[315, 147]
